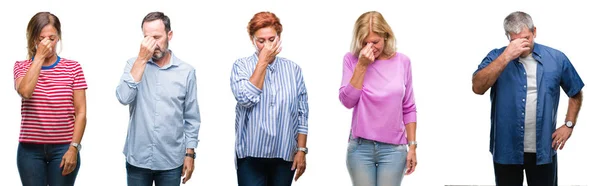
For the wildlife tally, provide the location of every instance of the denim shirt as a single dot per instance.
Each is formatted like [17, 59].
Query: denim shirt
[508, 95]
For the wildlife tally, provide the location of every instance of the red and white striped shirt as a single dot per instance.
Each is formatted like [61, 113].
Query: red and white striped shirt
[48, 117]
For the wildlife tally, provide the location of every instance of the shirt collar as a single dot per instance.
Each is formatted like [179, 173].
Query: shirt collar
[537, 52]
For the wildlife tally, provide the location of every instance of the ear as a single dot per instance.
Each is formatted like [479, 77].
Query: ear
[170, 35]
[534, 31]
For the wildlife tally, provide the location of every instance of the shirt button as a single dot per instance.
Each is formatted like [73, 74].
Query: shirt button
[524, 86]
[523, 100]
[525, 73]
[522, 113]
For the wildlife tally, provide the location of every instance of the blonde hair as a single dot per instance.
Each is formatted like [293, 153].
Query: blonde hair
[373, 21]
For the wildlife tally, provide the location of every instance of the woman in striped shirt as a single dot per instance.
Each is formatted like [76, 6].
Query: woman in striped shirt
[377, 84]
[271, 112]
[53, 108]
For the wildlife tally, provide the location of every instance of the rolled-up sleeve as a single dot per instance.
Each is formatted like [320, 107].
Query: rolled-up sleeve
[570, 81]
[302, 103]
[191, 112]
[349, 95]
[127, 88]
[244, 91]
[409, 108]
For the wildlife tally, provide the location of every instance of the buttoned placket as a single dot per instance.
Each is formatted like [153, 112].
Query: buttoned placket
[156, 96]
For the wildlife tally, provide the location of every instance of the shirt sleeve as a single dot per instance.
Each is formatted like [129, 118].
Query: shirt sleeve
[127, 88]
[409, 108]
[18, 72]
[302, 103]
[191, 115]
[244, 91]
[79, 82]
[570, 81]
[491, 56]
[349, 95]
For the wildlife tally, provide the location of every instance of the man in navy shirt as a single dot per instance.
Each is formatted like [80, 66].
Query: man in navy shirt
[525, 80]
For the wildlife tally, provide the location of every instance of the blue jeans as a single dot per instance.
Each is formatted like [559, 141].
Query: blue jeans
[372, 163]
[137, 176]
[264, 172]
[39, 165]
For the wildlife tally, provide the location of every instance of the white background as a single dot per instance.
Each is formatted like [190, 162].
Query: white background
[445, 40]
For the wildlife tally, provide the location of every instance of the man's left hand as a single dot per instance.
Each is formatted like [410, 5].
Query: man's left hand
[560, 137]
[188, 169]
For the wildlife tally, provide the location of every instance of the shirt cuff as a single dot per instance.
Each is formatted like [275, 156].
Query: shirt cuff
[128, 78]
[302, 129]
[410, 117]
[192, 144]
[253, 89]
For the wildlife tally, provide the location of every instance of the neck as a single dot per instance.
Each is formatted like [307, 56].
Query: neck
[164, 60]
[49, 61]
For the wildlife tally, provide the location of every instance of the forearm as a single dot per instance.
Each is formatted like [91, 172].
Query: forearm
[137, 70]
[574, 107]
[358, 76]
[258, 76]
[411, 133]
[485, 78]
[302, 140]
[26, 86]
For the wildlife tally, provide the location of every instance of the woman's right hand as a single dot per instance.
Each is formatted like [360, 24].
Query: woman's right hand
[44, 49]
[366, 56]
[269, 51]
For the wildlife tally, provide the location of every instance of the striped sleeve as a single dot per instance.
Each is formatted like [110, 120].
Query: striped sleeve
[79, 79]
[18, 70]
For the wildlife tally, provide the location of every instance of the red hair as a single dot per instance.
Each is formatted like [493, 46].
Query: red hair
[264, 20]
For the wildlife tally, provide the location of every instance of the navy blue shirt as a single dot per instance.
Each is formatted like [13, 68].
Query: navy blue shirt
[554, 70]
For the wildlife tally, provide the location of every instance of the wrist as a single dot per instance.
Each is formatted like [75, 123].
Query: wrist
[412, 148]
[505, 58]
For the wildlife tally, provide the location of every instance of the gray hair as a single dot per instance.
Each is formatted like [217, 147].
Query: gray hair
[514, 23]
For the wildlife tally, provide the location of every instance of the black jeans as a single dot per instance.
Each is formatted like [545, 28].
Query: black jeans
[264, 172]
[542, 175]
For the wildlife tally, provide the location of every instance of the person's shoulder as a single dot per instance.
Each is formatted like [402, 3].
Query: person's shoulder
[245, 60]
[21, 62]
[548, 49]
[350, 57]
[68, 61]
[288, 62]
[401, 56]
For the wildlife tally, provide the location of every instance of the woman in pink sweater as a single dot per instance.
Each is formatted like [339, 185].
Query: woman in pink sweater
[377, 84]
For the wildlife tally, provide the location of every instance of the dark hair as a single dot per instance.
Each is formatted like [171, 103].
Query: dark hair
[35, 26]
[264, 20]
[156, 16]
